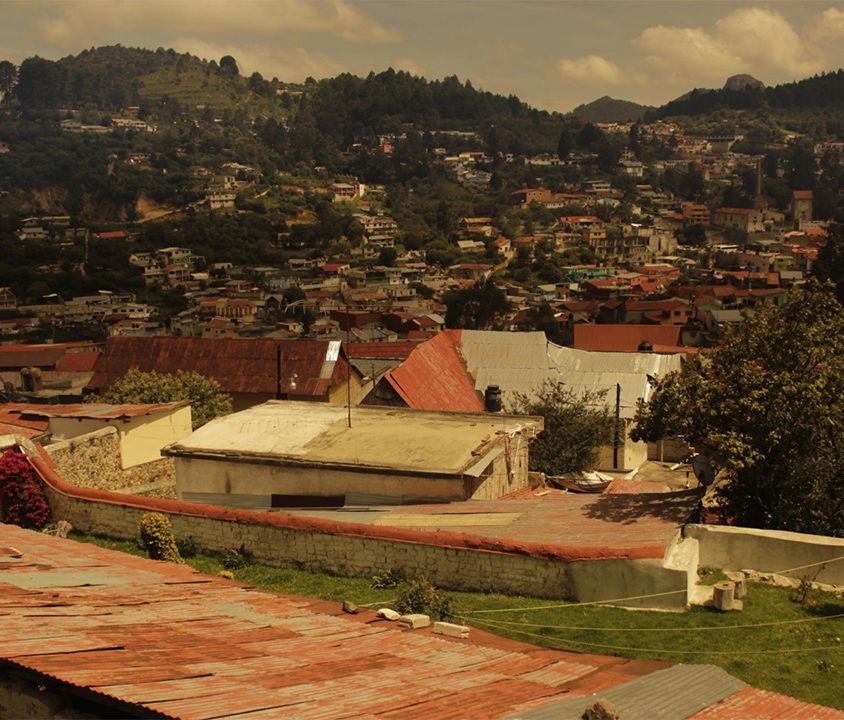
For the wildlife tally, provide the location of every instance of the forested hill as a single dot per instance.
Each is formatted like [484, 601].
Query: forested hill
[348, 107]
[339, 110]
[820, 91]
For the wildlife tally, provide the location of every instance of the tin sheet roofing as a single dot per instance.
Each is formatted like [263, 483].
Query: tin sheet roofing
[521, 362]
[102, 411]
[623, 337]
[169, 640]
[434, 378]
[240, 366]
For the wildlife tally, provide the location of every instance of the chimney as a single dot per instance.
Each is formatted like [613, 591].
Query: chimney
[492, 399]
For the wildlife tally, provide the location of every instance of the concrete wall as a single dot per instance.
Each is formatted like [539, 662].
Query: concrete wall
[668, 450]
[630, 456]
[141, 438]
[248, 483]
[772, 551]
[451, 560]
[93, 460]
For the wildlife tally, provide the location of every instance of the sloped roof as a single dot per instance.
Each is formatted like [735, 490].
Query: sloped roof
[240, 366]
[433, 377]
[102, 411]
[522, 361]
[47, 357]
[624, 337]
[380, 350]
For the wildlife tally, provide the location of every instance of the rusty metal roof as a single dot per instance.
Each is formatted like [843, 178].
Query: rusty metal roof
[434, 378]
[101, 411]
[170, 640]
[625, 338]
[240, 366]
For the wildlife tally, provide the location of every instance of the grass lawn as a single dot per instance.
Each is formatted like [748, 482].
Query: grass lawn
[760, 655]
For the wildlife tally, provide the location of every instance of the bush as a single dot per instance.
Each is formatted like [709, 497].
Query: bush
[157, 538]
[22, 498]
[389, 579]
[420, 596]
[236, 558]
[186, 546]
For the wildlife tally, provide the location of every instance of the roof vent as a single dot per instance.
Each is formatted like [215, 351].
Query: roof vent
[492, 399]
[645, 346]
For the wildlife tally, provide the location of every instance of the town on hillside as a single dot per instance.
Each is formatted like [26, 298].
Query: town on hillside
[381, 397]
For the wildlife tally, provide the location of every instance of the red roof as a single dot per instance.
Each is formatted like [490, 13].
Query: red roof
[434, 377]
[112, 235]
[102, 411]
[381, 350]
[624, 338]
[240, 366]
[803, 195]
[15, 419]
[46, 357]
[78, 362]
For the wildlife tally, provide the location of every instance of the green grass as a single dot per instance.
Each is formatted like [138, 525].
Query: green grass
[811, 675]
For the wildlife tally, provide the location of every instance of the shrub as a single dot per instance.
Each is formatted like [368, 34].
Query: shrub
[420, 596]
[236, 558]
[157, 538]
[22, 498]
[389, 579]
[186, 546]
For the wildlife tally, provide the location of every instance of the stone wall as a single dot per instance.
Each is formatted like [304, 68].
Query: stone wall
[93, 460]
[451, 560]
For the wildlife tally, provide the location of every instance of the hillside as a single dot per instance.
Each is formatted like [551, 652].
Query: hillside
[607, 109]
[820, 91]
[114, 77]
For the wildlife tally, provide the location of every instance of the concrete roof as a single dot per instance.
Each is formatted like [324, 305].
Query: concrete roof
[396, 439]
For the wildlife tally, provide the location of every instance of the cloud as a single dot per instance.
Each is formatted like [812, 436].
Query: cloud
[747, 40]
[78, 22]
[590, 69]
[830, 24]
[287, 64]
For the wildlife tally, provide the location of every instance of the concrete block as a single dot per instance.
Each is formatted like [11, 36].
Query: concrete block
[451, 630]
[415, 620]
[389, 614]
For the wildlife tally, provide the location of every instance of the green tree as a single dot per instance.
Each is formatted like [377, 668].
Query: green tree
[208, 401]
[480, 307]
[564, 145]
[576, 427]
[830, 263]
[768, 409]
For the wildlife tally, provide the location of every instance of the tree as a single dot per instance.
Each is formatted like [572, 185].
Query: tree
[8, 76]
[228, 66]
[830, 263]
[564, 145]
[576, 427]
[208, 401]
[479, 307]
[768, 409]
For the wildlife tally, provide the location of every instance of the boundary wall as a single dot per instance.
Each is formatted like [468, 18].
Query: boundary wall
[769, 551]
[454, 561]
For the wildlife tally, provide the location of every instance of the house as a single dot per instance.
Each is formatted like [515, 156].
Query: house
[504, 247]
[696, 213]
[525, 196]
[142, 429]
[471, 271]
[745, 220]
[8, 300]
[251, 371]
[801, 206]
[296, 454]
[220, 200]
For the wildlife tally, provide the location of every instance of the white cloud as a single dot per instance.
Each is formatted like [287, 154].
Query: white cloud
[287, 64]
[830, 24]
[747, 40]
[590, 69]
[73, 23]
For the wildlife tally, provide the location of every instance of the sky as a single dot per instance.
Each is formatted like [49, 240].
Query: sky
[554, 54]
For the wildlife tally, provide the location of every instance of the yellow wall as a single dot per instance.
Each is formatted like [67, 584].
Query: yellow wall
[141, 438]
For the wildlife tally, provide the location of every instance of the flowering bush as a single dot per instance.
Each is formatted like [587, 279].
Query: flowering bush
[157, 537]
[22, 499]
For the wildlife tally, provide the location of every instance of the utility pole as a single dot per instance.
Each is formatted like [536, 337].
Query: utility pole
[617, 435]
[348, 379]
[278, 372]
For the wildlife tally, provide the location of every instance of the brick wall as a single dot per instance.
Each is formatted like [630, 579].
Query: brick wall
[451, 560]
[93, 460]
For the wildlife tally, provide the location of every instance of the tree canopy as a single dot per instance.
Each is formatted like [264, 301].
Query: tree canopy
[576, 427]
[208, 401]
[768, 409]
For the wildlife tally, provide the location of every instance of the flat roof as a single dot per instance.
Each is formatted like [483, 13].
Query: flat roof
[396, 439]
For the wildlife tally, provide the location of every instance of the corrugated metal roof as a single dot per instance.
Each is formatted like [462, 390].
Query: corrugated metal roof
[521, 362]
[382, 350]
[103, 411]
[433, 378]
[240, 366]
[167, 639]
[624, 338]
[674, 693]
